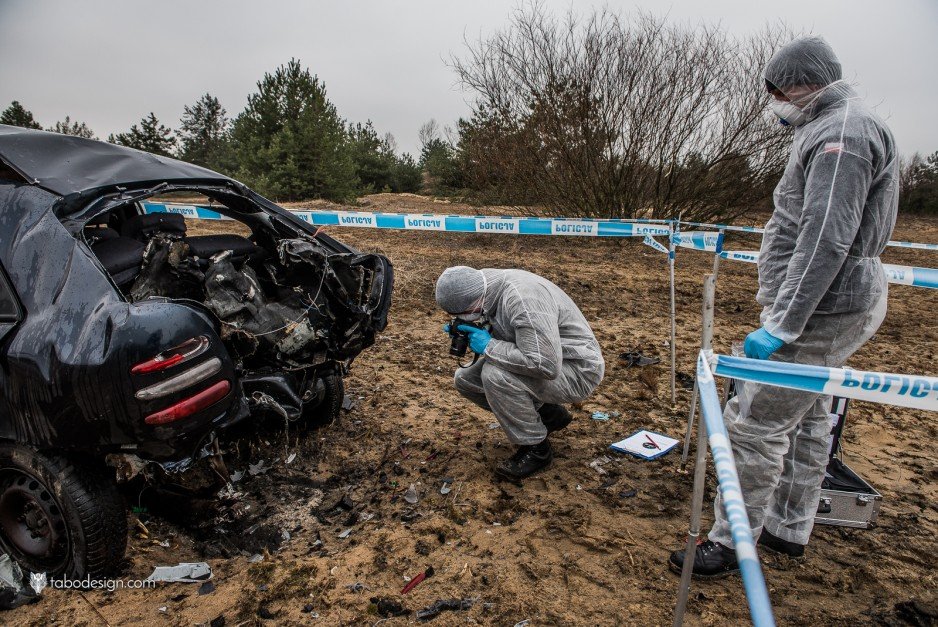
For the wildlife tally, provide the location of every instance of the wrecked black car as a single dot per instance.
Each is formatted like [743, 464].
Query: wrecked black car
[126, 341]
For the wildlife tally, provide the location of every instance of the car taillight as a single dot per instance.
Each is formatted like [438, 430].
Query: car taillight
[187, 378]
[191, 405]
[189, 349]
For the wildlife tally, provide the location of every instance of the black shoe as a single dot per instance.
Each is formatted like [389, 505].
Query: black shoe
[711, 561]
[776, 544]
[554, 417]
[526, 461]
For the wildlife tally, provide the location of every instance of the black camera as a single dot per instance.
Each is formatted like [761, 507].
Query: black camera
[459, 340]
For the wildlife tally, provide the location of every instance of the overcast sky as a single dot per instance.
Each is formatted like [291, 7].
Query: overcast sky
[110, 62]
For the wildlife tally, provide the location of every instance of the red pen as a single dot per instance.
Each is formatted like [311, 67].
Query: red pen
[653, 443]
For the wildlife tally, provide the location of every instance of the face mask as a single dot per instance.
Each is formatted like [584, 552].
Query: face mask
[791, 115]
[787, 113]
[471, 317]
[485, 288]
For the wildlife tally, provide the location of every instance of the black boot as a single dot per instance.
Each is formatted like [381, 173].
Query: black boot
[776, 544]
[554, 417]
[711, 561]
[526, 461]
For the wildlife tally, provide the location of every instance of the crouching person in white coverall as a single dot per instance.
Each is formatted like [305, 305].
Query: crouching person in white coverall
[539, 354]
[823, 292]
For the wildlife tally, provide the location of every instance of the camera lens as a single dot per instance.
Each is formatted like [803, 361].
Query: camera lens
[458, 346]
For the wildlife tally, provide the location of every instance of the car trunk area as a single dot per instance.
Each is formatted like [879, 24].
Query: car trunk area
[290, 310]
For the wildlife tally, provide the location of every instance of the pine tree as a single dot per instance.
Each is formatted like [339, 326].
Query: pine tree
[438, 159]
[17, 115]
[76, 128]
[290, 142]
[203, 133]
[406, 176]
[374, 158]
[151, 136]
[918, 186]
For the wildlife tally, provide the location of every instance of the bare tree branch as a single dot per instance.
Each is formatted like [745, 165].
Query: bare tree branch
[621, 116]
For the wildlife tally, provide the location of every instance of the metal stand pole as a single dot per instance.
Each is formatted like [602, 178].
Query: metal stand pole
[696, 507]
[716, 256]
[671, 271]
[706, 342]
[690, 425]
[700, 469]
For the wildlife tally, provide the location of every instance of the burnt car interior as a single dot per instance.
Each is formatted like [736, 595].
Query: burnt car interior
[289, 306]
[119, 242]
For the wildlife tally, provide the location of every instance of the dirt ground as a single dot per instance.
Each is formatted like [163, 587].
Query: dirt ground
[573, 546]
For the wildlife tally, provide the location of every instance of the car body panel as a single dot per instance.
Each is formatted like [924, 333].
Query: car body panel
[74, 166]
[65, 380]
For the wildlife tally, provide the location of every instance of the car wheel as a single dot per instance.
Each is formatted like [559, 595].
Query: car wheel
[331, 390]
[58, 515]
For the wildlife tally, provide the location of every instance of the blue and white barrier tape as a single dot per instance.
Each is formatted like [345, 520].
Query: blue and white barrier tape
[538, 226]
[753, 229]
[651, 241]
[452, 223]
[749, 256]
[189, 211]
[912, 245]
[760, 608]
[908, 275]
[485, 224]
[899, 275]
[918, 392]
[698, 240]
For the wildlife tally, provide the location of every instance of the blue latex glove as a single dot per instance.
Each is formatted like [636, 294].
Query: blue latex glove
[478, 338]
[760, 344]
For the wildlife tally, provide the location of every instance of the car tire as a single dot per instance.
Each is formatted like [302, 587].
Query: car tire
[327, 410]
[59, 515]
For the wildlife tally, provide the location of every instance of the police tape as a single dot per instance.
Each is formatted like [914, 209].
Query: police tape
[754, 229]
[651, 241]
[912, 245]
[485, 224]
[189, 211]
[698, 240]
[731, 494]
[899, 275]
[583, 227]
[916, 391]
[749, 256]
[908, 275]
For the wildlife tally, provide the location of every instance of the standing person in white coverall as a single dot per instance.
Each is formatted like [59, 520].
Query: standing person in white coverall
[823, 292]
[539, 355]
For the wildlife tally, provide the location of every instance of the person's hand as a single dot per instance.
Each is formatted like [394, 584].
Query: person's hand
[760, 344]
[478, 338]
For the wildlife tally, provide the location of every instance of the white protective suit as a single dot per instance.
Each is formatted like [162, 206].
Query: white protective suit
[542, 348]
[821, 285]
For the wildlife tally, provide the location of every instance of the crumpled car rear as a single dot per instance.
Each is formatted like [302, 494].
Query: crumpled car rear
[66, 381]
